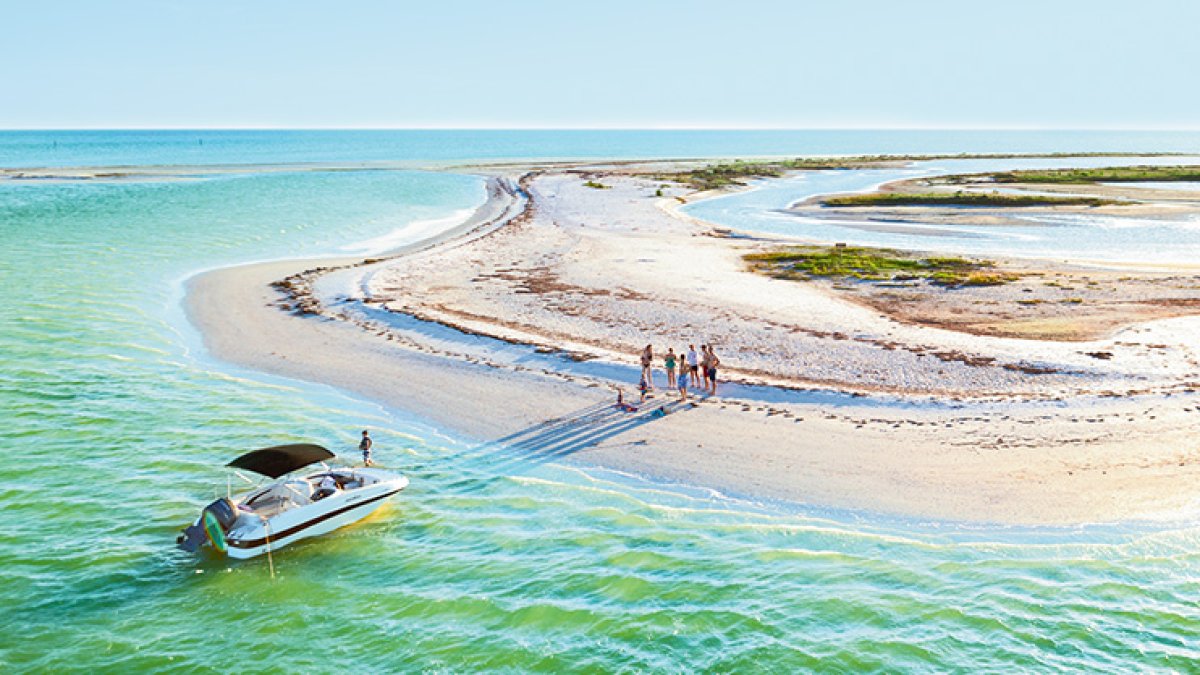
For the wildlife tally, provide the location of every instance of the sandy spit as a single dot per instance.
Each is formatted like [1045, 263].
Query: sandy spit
[1079, 460]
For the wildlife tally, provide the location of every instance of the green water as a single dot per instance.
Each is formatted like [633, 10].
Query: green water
[115, 423]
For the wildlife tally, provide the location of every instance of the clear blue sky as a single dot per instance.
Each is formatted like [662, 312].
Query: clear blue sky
[608, 63]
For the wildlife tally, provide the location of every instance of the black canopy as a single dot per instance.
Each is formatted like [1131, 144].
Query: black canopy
[281, 459]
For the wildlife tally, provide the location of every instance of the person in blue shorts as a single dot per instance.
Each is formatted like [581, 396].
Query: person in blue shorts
[365, 446]
[685, 374]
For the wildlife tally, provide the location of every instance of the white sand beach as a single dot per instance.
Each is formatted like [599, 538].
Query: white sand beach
[524, 319]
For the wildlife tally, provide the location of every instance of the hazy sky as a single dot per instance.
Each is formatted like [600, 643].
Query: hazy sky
[606, 63]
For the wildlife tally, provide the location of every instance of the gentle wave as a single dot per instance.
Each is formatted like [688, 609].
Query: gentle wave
[409, 233]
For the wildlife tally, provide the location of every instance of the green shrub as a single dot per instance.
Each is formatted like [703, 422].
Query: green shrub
[1112, 174]
[960, 198]
[871, 264]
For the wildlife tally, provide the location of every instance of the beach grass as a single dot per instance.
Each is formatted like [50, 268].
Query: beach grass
[961, 199]
[1113, 174]
[732, 174]
[801, 263]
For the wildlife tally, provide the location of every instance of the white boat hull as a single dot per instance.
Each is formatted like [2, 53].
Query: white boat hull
[287, 511]
[292, 526]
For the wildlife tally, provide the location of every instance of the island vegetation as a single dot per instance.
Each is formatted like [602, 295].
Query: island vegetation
[1112, 174]
[802, 263]
[961, 199]
[732, 174]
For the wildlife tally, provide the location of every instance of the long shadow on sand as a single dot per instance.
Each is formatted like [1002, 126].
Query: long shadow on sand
[562, 436]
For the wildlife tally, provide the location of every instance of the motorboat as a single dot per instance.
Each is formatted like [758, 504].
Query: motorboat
[296, 505]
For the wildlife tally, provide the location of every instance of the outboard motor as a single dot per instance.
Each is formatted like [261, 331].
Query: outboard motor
[224, 511]
[214, 523]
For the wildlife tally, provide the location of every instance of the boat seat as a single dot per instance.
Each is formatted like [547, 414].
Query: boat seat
[298, 491]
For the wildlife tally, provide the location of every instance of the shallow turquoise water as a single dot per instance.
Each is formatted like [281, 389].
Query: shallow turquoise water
[115, 424]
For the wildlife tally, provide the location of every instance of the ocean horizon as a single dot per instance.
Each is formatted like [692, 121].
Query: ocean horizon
[62, 148]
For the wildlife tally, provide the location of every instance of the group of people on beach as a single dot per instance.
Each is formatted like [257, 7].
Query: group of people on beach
[685, 370]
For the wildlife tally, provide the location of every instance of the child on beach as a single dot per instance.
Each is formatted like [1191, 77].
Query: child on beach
[621, 404]
[669, 363]
[643, 387]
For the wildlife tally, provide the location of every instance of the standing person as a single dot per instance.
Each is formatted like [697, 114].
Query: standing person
[684, 375]
[693, 364]
[704, 356]
[669, 364]
[713, 362]
[647, 366]
[365, 446]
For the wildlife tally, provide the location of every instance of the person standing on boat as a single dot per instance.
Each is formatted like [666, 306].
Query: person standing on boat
[365, 446]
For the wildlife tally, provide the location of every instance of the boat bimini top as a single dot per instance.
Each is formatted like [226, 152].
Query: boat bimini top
[278, 460]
